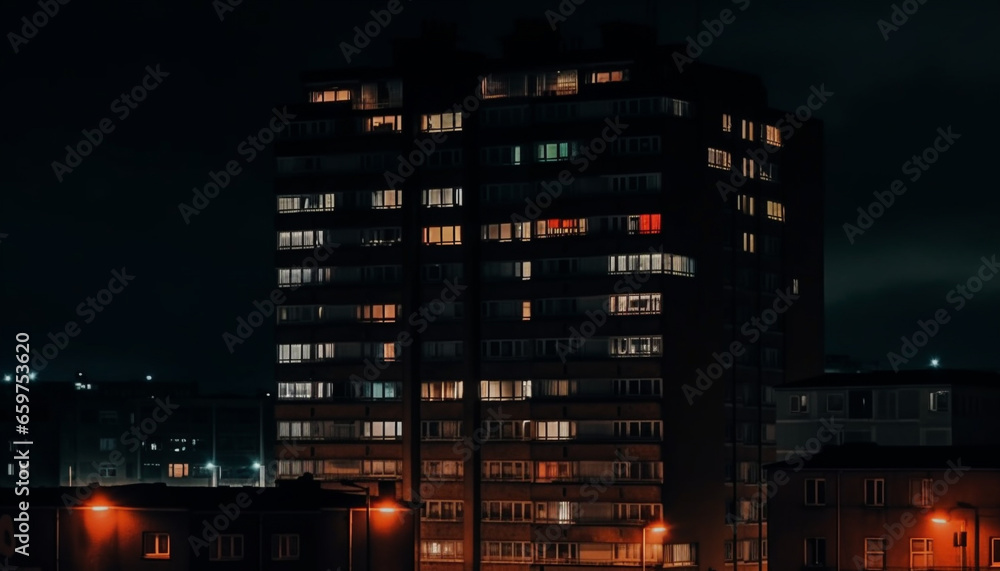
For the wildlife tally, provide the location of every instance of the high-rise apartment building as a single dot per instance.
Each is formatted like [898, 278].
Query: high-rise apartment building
[504, 276]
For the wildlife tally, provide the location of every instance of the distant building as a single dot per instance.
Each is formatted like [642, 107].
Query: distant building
[846, 364]
[932, 407]
[867, 507]
[500, 308]
[154, 526]
[141, 432]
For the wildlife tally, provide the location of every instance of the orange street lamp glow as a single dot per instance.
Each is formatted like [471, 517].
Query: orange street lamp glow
[939, 520]
[658, 529]
[100, 508]
[387, 510]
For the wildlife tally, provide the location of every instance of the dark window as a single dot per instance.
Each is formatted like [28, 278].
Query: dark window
[859, 404]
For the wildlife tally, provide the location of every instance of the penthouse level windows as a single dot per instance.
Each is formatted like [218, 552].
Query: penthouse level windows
[521, 84]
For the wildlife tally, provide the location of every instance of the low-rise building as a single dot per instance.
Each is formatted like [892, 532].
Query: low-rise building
[932, 407]
[869, 507]
[154, 526]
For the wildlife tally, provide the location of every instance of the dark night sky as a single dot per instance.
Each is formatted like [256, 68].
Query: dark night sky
[120, 207]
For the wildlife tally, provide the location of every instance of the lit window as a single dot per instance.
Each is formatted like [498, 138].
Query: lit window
[156, 545]
[525, 311]
[798, 403]
[177, 470]
[384, 124]
[330, 95]
[680, 555]
[939, 401]
[749, 244]
[747, 128]
[772, 136]
[442, 550]
[644, 224]
[306, 202]
[441, 122]
[387, 199]
[442, 197]
[560, 227]
[744, 204]
[285, 546]
[504, 391]
[381, 313]
[775, 211]
[795, 286]
[548, 152]
[921, 554]
[749, 168]
[507, 231]
[634, 304]
[720, 159]
[443, 235]
[608, 76]
[727, 123]
[995, 552]
[555, 430]
[636, 346]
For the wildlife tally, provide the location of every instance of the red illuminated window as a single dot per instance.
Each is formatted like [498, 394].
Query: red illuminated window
[649, 223]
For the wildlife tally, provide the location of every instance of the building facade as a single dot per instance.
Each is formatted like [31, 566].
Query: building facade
[153, 526]
[509, 286]
[932, 407]
[144, 432]
[867, 507]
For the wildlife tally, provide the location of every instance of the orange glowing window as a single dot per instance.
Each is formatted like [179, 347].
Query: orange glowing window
[649, 223]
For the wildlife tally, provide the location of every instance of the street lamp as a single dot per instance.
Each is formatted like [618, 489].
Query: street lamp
[655, 528]
[216, 473]
[964, 538]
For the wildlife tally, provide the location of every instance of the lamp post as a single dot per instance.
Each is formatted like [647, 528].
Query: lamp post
[261, 482]
[216, 473]
[655, 528]
[368, 524]
[965, 542]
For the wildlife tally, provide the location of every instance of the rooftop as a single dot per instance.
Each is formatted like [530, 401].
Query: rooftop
[902, 378]
[865, 456]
